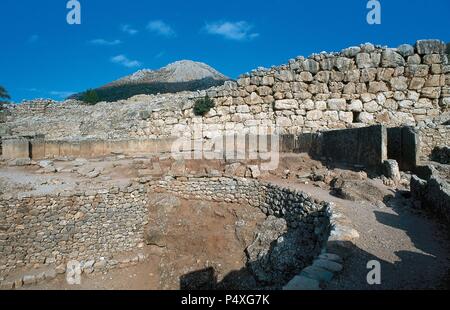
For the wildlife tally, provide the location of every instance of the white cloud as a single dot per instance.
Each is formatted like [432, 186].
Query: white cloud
[161, 28]
[33, 39]
[238, 31]
[160, 54]
[61, 94]
[125, 61]
[128, 29]
[105, 42]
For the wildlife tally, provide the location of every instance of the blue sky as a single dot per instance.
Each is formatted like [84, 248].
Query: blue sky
[42, 56]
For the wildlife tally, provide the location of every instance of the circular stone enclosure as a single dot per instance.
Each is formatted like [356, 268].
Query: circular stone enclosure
[233, 233]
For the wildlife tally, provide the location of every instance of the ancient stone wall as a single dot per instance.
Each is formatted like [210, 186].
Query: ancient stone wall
[269, 198]
[273, 259]
[433, 137]
[432, 190]
[83, 226]
[357, 87]
[92, 226]
[360, 85]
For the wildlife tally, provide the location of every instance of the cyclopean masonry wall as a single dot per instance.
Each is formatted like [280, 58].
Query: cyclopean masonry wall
[357, 87]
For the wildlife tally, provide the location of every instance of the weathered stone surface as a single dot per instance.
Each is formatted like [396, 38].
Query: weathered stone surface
[178, 168]
[399, 83]
[430, 47]
[317, 273]
[346, 117]
[29, 279]
[391, 170]
[331, 257]
[254, 169]
[310, 65]
[391, 59]
[300, 283]
[356, 105]
[351, 51]
[363, 60]
[365, 117]
[327, 265]
[287, 104]
[431, 92]
[405, 50]
[337, 104]
[371, 106]
[355, 76]
[314, 115]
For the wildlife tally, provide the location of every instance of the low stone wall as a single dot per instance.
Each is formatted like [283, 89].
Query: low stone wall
[39, 148]
[271, 199]
[94, 225]
[17, 148]
[101, 148]
[81, 226]
[273, 262]
[366, 146]
[322, 226]
[361, 146]
[403, 145]
[432, 191]
[438, 136]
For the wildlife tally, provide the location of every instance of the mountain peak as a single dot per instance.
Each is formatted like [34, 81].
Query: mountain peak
[182, 75]
[176, 72]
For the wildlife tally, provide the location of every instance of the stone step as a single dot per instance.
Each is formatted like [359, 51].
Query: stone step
[300, 283]
[328, 265]
[317, 273]
[330, 256]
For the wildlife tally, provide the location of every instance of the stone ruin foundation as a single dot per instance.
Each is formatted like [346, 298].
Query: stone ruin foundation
[368, 107]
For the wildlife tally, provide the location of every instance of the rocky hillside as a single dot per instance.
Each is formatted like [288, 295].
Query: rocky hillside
[185, 75]
[178, 72]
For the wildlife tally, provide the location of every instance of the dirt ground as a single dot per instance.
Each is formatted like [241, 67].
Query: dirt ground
[196, 235]
[412, 246]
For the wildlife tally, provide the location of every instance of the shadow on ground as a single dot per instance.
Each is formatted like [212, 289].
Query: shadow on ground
[285, 257]
[426, 268]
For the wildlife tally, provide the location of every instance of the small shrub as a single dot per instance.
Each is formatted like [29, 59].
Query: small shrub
[203, 106]
[91, 97]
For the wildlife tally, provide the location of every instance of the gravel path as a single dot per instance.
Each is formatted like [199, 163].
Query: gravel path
[412, 247]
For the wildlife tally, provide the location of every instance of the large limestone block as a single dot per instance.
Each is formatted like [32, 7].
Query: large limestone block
[337, 104]
[430, 47]
[399, 83]
[405, 50]
[311, 65]
[391, 59]
[286, 104]
[314, 115]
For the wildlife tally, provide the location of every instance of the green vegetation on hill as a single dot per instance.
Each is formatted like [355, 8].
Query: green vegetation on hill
[3, 95]
[90, 97]
[123, 92]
